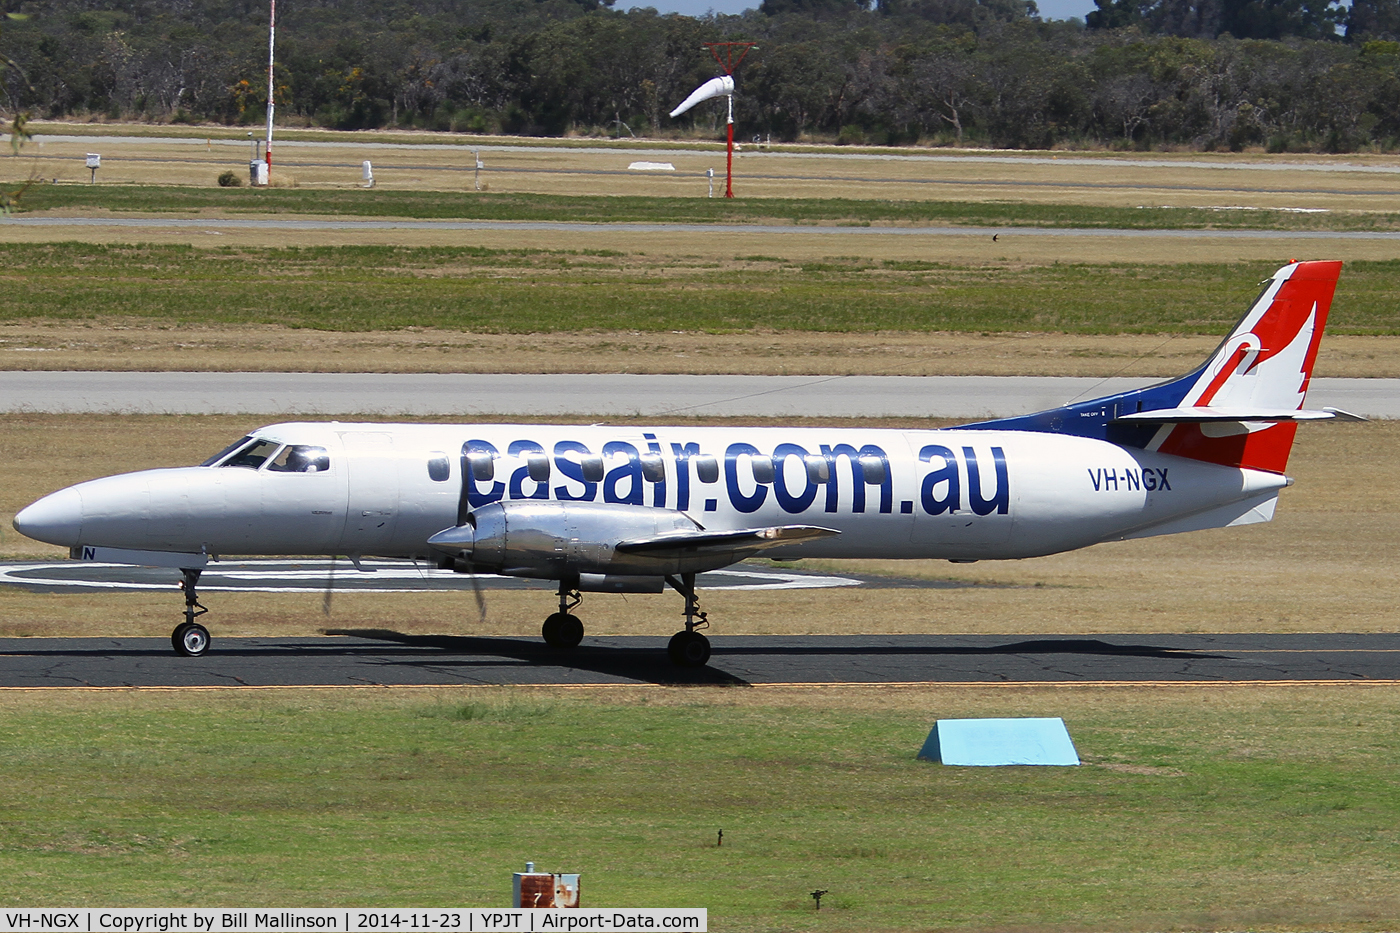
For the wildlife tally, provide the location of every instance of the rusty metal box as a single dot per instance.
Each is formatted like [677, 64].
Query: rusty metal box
[542, 889]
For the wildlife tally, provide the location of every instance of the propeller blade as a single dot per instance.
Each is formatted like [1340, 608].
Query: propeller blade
[480, 596]
[330, 589]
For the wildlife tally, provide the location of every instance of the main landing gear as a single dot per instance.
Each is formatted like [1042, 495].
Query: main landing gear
[689, 648]
[563, 629]
[190, 638]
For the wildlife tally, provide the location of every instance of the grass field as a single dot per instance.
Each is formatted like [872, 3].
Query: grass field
[1262, 808]
[456, 205]
[1231, 189]
[1197, 808]
[376, 288]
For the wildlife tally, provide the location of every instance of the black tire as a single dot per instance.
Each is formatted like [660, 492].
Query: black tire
[191, 639]
[562, 630]
[689, 649]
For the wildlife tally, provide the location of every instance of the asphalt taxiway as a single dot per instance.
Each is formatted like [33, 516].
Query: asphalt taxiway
[368, 658]
[376, 657]
[475, 395]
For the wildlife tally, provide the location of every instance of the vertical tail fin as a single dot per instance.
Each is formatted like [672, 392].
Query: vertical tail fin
[1238, 409]
[1263, 368]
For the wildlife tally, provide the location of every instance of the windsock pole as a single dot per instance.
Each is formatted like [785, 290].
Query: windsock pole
[714, 88]
[729, 157]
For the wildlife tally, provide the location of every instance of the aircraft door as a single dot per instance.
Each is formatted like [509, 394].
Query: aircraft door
[373, 494]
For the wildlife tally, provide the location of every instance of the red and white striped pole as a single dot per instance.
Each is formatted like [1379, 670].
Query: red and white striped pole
[729, 157]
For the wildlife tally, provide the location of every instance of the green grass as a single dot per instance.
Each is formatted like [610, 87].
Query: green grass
[454, 205]
[363, 288]
[1217, 809]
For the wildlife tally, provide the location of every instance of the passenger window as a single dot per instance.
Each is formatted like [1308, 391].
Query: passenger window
[227, 450]
[592, 467]
[300, 458]
[874, 470]
[482, 465]
[653, 467]
[253, 456]
[707, 468]
[439, 469]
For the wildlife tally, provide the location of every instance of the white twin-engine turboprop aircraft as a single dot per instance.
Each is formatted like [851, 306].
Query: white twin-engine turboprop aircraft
[620, 509]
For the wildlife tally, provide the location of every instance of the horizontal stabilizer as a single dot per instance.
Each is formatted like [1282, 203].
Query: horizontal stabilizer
[1206, 414]
[748, 539]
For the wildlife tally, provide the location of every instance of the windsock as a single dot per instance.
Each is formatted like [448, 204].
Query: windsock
[715, 87]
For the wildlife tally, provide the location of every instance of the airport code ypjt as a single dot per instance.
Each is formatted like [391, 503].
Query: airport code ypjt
[352, 920]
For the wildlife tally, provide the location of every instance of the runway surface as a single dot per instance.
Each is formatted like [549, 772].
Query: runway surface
[477, 395]
[391, 659]
[176, 223]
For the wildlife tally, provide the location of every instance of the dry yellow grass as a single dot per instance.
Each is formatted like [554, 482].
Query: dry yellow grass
[1253, 180]
[795, 246]
[141, 346]
[1325, 564]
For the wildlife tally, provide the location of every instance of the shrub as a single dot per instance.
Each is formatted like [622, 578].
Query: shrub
[230, 179]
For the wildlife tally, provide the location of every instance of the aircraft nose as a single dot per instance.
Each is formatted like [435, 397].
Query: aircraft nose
[54, 519]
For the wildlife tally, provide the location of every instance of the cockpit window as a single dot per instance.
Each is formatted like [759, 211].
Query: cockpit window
[241, 442]
[300, 458]
[253, 456]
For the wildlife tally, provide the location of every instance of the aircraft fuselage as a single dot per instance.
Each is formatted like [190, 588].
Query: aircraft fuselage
[384, 489]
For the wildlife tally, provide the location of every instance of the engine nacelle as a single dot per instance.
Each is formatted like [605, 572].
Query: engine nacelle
[560, 540]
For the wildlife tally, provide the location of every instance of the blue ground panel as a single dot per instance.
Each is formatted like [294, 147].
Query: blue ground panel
[987, 742]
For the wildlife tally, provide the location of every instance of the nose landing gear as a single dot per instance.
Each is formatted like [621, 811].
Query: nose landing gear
[190, 638]
[689, 648]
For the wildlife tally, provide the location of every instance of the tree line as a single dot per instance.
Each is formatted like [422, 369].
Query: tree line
[1288, 75]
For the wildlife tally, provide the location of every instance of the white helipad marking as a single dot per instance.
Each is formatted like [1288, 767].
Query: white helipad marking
[246, 577]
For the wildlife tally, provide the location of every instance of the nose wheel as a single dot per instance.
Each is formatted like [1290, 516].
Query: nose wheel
[689, 648]
[190, 638]
[563, 629]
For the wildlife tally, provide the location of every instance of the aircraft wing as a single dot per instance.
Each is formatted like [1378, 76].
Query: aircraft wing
[745, 539]
[1204, 414]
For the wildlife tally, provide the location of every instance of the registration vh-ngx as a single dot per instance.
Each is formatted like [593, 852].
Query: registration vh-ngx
[633, 509]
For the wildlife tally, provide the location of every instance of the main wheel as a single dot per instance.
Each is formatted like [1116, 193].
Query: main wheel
[689, 649]
[562, 630]
[190, 639]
